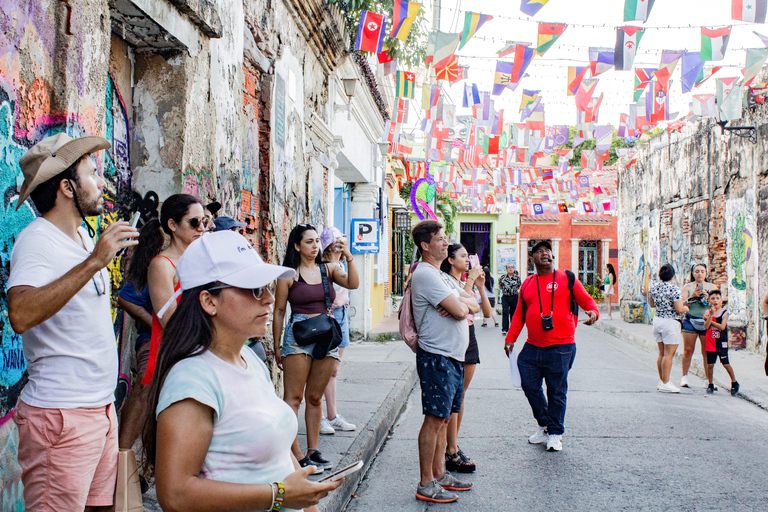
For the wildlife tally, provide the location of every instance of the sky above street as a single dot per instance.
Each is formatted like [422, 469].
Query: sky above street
[672, 25]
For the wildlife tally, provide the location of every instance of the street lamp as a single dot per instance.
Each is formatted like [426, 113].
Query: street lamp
[349, 89]
[383, 148]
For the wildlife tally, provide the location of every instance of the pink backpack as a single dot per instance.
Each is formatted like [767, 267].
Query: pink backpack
[407, 325]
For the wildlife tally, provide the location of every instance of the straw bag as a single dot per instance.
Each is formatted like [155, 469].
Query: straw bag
[128, 488]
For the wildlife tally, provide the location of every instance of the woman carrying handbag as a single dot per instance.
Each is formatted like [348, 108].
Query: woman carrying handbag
[307, 369]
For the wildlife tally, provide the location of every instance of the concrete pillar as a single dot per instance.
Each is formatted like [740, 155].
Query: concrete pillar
[556, 249]
[365, 197]
[522, 260]
[575, 255]
[606, 252]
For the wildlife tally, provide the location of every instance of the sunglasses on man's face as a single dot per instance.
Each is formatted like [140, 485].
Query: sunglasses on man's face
[258, 293]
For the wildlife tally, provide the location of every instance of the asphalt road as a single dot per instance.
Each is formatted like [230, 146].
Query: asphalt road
[626, 446]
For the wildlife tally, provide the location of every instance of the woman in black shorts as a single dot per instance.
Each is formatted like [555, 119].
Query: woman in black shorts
[696, 296]
[456, 265]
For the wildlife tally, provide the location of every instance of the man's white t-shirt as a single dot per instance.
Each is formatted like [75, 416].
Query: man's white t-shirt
[72, 356]
[253, 428]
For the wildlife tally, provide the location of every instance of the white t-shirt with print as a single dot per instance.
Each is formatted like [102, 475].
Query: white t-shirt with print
[253, 429]
[72, 356]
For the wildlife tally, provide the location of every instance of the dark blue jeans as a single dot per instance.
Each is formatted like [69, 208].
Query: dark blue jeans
[508, 306]
[552, 365]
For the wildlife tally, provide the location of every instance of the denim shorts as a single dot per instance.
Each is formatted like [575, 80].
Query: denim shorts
[342, 316]
[442, 383]
[290, 346]
[688, 325]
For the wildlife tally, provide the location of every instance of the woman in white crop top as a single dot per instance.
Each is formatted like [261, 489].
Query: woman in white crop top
[220, 438]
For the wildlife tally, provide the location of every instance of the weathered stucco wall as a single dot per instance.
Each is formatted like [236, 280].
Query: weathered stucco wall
[699, 197]
[226, 100]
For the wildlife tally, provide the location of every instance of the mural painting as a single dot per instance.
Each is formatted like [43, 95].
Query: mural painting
[741, 253]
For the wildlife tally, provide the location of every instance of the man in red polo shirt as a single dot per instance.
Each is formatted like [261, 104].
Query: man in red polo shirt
[551, 346]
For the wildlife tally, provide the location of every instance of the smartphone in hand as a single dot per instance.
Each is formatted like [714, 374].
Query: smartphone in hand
[341, 473]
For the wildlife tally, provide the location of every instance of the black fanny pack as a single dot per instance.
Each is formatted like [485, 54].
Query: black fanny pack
[322, 330]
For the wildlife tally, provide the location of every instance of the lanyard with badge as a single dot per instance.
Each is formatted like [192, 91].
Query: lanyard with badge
[546, 321]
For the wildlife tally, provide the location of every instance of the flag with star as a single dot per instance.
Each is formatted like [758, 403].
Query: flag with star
[548, 34]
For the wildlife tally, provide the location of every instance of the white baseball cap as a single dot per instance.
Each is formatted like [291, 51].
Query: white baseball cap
[226, 257]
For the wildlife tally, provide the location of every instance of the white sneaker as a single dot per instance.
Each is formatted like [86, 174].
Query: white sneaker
[326, 427]
[658, 386]
[684, 381]
[554, 443]
[668, 388]
[540, 436]
[339, 423]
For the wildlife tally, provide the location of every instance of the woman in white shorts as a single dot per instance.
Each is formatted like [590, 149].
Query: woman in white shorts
[668, 301]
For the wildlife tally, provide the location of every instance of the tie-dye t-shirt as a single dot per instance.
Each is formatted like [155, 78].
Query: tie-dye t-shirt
[252, 428]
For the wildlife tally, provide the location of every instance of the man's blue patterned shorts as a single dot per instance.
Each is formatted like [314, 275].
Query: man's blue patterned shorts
[442, 383]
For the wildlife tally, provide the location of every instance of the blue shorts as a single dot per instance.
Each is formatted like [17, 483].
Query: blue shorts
[689, 327]
[290, 347]
[342, 316]
[442, 383]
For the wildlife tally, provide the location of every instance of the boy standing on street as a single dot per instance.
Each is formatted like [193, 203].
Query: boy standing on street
[716, 343]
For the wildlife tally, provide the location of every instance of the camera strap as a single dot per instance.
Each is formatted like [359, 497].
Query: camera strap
[538, 290]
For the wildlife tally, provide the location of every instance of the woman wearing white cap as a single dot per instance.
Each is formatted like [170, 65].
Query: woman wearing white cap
[220, 438]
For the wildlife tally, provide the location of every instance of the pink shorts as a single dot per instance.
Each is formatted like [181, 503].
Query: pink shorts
[68, 457]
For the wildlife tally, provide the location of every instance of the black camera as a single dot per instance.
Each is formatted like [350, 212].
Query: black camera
[546, 323]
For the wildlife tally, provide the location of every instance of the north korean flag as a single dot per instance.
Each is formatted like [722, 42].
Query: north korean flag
[370, 33]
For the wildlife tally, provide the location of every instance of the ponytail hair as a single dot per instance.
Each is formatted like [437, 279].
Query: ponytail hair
[693, 267]
[445, 266]
[152, 240]
[188, 333]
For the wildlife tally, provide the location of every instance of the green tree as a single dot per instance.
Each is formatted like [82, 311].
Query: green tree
[410, 54]
[446, 206]
[616, 142]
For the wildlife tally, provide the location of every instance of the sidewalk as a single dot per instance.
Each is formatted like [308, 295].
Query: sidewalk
[748, 366]
[373, 385]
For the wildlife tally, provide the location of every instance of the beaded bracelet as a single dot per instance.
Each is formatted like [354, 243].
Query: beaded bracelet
[277, 503]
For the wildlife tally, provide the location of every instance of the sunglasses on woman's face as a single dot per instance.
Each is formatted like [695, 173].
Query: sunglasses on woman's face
[195, 222]
[258, 293]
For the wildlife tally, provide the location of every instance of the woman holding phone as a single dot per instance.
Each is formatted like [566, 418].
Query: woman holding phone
[214, 447]
[457, 266]
[696, 296]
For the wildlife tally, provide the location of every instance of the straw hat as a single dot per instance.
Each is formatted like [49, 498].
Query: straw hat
[53, 155]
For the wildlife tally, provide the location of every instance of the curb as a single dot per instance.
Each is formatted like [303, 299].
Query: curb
[696, 368]
[368, 443]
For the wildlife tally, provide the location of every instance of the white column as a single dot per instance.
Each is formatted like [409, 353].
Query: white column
[575, 255]
[522, 259]
[365, 197]
[606, 252]
[555, 249]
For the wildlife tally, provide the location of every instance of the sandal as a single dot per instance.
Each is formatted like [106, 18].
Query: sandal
[459, 463]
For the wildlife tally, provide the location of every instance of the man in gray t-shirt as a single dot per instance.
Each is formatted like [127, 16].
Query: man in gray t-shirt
[444, 335]
[440, 310]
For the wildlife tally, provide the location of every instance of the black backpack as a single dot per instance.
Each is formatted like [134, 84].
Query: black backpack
[571, 282]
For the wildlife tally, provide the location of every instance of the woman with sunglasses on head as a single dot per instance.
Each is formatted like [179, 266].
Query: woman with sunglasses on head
[696, 295]
[304, 376]
[152, 268]
[219, 438]
[457, 266]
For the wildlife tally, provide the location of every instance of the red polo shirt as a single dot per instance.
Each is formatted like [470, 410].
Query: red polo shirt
[564, 321]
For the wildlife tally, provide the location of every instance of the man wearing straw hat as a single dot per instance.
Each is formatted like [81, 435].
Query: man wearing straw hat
[58, 300]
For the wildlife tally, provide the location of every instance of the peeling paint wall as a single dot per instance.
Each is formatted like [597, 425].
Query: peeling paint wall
[699, 197]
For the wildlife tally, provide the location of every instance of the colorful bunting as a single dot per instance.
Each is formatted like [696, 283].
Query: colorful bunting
[447, 69]
[755, 59]
[728, 99]
[548, 34]
[370, 32]
[704, 105]
[472, 23]
[706, 74]
[690, 69]
[584, 93]
[752, 11]
[637, 10]
[523, 56]
[714, 43]
[528, 98]
[531, 7]
[600, 60]
[627, 39]
[643, 76]
[405, 84]
[404, 13]
[575, 76]
[444, 46]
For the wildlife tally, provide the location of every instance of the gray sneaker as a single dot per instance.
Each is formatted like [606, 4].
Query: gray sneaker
[451, 483]
[434, 493]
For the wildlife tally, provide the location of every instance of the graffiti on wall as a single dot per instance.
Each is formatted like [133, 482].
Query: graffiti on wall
[199, 184]
[741, 255]
[639, 261]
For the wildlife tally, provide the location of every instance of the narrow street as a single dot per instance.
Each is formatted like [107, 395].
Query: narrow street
[626, 446]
